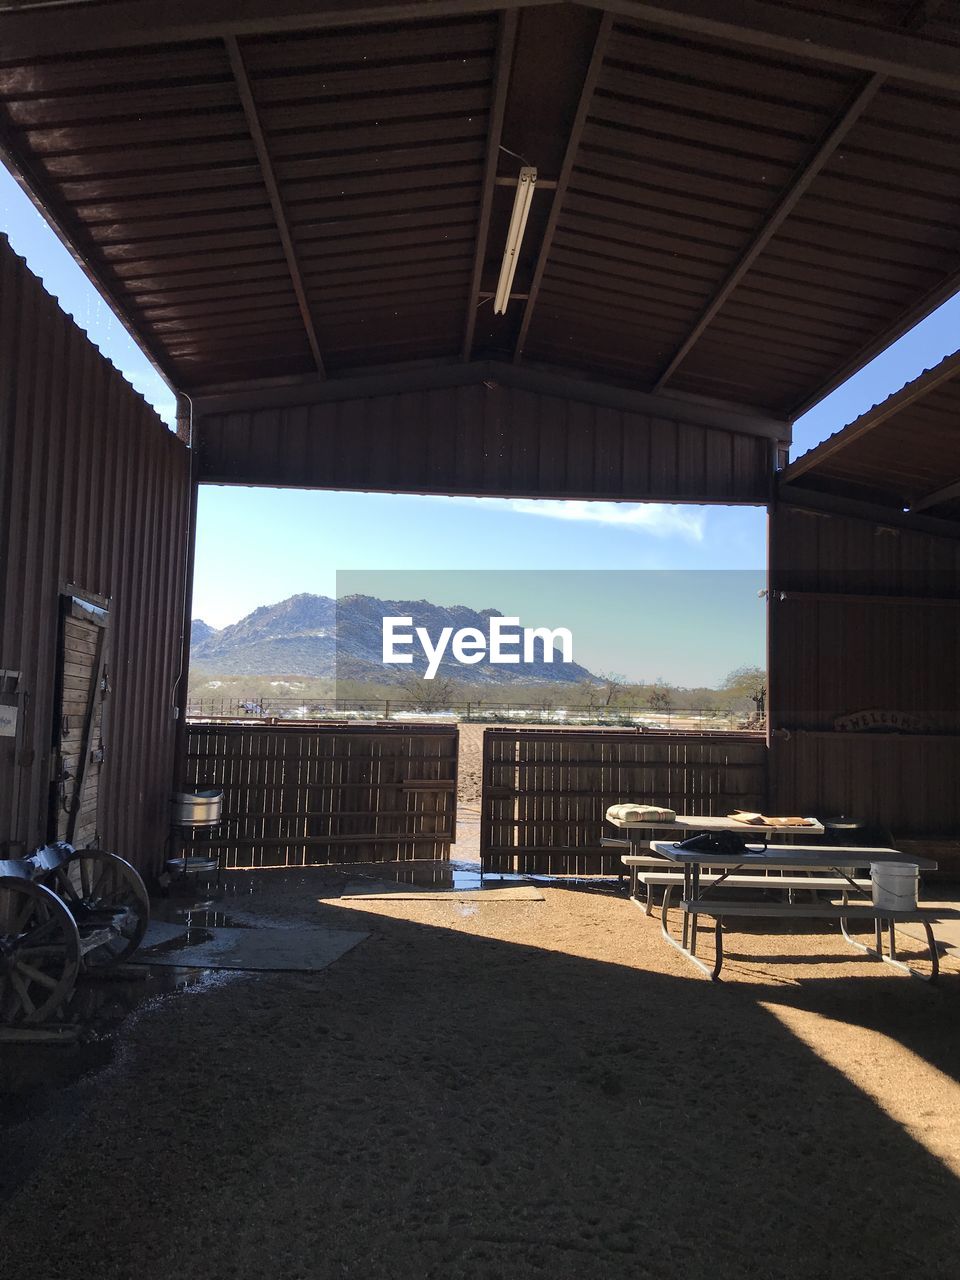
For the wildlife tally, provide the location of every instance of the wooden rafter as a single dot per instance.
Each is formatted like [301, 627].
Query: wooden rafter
[501, 83]
[817, 37]
[239, 69]
[834, 136]
[563, 181]
[28, 32]
[945, 494]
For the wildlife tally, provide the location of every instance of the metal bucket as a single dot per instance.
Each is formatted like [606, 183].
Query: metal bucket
[196, 808]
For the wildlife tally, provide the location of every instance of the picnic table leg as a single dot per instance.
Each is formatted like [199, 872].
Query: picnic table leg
[718, 957]
[682, 946]
[695, 877]
[878, 954]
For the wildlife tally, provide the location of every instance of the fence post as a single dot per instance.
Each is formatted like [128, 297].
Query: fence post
[386, 709]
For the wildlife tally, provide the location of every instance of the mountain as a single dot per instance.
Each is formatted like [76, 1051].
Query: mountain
[311, 635]
[200, 631]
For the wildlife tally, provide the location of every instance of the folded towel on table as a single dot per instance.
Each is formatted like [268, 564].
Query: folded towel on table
[640, 813]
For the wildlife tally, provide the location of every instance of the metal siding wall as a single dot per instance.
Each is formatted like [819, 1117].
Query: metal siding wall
[833, 657]
[499, 441]
[94, 492]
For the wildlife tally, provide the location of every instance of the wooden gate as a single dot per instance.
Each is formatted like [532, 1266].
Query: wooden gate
[77, 737]
[545, 791]
[327, 793]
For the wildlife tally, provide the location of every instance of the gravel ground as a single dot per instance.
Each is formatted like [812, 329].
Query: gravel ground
[527, 1089]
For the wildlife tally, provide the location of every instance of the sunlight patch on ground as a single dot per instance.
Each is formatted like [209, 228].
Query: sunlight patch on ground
[923, 1100]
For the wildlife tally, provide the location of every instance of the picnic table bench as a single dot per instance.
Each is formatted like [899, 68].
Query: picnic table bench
[838, 861]
[63, 911]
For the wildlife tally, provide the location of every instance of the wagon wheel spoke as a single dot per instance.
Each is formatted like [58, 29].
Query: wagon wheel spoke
[39, 962]
[30, 939]
[20, 988]
[36, 975]
[112, 884]
[22, 917]
[65, 886]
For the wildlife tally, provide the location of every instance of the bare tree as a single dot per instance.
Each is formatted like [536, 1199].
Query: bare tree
[612, 687]
[660, 700]
[428, 695]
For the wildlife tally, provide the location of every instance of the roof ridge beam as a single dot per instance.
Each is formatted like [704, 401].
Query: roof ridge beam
[501, 83]
[239, 69]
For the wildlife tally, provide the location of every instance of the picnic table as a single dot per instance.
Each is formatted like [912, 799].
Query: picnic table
[840, 861]
[640, 836]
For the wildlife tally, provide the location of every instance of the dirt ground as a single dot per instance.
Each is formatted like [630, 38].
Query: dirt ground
[470, 764]
[506, 1090]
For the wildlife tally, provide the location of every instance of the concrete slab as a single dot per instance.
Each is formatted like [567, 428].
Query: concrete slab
[945, 919]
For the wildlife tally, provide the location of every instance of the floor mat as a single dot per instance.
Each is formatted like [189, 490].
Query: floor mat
[377, 893]
[302, 950]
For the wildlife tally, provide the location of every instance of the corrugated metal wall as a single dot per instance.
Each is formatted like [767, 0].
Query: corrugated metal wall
[94, 492]
[484, 440]
[870, 623]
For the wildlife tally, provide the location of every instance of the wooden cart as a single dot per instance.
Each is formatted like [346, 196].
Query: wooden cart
[63, 912]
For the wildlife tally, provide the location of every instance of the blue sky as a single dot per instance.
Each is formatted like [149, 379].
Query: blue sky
[257, 546]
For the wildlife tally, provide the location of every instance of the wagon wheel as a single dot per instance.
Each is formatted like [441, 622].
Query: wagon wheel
[103, 892]
[39, 952]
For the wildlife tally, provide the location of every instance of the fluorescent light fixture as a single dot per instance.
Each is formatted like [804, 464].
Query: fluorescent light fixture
[518, 221]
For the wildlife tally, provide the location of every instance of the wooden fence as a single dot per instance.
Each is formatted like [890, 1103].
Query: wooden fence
[545, 791]
[327, 793]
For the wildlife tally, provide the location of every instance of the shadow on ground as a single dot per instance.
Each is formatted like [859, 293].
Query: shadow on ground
[442, 1104]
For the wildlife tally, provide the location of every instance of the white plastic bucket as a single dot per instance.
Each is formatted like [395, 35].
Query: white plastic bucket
[894, 885]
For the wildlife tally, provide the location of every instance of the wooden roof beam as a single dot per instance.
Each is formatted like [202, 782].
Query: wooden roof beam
[501, 83]
[831, 139]
[938, 496]
[33, 32]
[239, 70]
[787, 203]
[812, 37]
[563, 181]
[30, 32]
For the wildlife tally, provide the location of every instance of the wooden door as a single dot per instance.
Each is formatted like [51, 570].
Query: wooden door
[82, 688]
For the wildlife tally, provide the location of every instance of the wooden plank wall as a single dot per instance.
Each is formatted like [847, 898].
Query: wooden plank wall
[94, 491]
[870, 621]
[484, 440]
[545, 791]
[327, 793]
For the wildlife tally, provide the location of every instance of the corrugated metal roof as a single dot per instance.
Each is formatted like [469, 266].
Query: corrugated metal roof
[731, 218]
[904, 452]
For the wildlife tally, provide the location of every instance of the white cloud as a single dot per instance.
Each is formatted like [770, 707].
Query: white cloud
[659, 520]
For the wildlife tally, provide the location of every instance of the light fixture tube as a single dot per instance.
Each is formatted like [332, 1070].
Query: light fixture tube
[518, 221]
